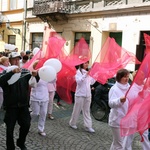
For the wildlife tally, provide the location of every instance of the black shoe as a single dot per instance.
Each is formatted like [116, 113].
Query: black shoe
[22, 147]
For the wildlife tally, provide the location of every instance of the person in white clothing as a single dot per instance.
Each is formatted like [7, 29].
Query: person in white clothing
[82, 98]
[119, 106]
[39, 97]
[51, 90]
[135, 89]
[4, 63]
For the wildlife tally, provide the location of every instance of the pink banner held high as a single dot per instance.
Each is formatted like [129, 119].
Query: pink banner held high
[147, 43]
[79, 54]
[137, 118]
[110, 59]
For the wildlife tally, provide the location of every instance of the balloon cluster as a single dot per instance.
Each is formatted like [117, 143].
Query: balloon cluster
[47, 73]
[10, 47]
[50, 69]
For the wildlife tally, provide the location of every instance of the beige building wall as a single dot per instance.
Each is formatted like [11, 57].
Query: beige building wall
[16, 18]
[130, 24]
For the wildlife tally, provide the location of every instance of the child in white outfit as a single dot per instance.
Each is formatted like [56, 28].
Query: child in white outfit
[39, 97]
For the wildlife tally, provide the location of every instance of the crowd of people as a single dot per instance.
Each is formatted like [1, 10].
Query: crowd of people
[31, 91]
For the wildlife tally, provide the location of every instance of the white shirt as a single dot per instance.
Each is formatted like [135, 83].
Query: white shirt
[40, 92]
[83, 83]
[118, 109]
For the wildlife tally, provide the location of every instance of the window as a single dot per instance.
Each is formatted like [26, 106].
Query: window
[85, 35]
[4, 5]
[12, 39]
[11, 4]
[117, 36]
[37, 39]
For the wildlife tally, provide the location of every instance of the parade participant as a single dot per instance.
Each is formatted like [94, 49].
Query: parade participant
[16, 103]
[39, 97]
[82, 98]
[119, 106]
[135, 90]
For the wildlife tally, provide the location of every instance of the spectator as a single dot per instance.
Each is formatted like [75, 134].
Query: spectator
[24, 60]
[16, 103]
[28, 53]
[16, 49]
[22, 53]
[4, 63]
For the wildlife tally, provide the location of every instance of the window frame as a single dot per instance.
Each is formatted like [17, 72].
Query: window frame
[9, 39]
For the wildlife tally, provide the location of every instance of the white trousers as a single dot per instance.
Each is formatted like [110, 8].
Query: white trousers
[39, 109]
[119, 142]
[50, 103]
[145, 143]
[81, 104]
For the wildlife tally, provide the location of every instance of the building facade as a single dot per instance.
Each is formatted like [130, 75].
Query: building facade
[12, 17]
[95, 20]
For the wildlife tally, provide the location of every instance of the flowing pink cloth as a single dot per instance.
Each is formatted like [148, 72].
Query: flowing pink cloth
[1, 70]
[66, 83]
[110, 59]
[79, 54]
[137, 118]
[29, 65]
[147, 43]
[53, 47]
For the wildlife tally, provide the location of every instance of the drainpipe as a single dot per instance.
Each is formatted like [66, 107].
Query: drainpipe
[24, 25]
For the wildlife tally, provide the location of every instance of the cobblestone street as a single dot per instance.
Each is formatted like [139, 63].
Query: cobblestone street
[61, 137]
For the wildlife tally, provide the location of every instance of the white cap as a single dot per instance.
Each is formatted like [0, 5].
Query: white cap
[14, 55]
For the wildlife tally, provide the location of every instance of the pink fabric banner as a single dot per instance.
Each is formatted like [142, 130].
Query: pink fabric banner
[137, 118]
[110, 59]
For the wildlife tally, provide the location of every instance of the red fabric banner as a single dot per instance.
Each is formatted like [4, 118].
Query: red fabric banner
[110, 59]
[53, 47]
[137, 118]
[79, 54]
[66, 83]
[147, 43]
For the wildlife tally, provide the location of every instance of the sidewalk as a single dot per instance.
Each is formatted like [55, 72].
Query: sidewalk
[61, 137]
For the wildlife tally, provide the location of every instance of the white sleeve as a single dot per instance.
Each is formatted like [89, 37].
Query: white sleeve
[33, 82]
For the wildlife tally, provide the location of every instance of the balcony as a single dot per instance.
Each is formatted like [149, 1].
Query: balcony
[51, 9]
[57, 10]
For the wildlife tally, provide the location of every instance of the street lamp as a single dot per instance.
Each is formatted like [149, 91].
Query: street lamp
[15, 30]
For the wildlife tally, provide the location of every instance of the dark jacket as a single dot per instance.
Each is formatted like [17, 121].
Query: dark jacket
[101, 92]
[17, 94]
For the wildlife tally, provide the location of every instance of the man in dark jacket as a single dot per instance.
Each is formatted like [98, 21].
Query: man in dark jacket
[16, 102]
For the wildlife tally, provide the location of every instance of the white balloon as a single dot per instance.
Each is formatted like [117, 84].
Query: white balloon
[47, 73]
[35, 50]
[6, 46]
[14, 77]
[55, 63]
[12, 47]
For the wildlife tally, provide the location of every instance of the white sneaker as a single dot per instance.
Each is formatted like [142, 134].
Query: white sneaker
[73, 126]
[42, 133]
[91, 130]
